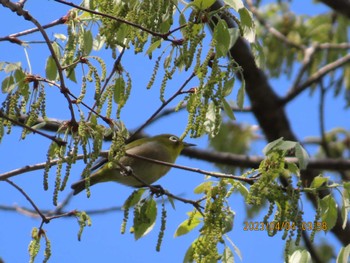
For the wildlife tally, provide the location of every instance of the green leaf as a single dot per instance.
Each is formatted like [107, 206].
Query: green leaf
[242, 189]
[228, 221]
[228, 86]
[134, 198]
[71, 75]
[203, 4]
[235, 248]
[345, 211]
[302, 156]
[247, 23]
[98, 42]
[153, 46]
[345, 203]
[269, 147]
[228, 110]
[57, 50]
[300, 256]
[119, 90]
[234, 35]
[329, 211]
[12, 67]
[227, 256]
[235, 4]
[8, 84]
[189, 253]
[171, 201]
[223, 38]
[62, 37]
[285, 145]
[319, 181]
[293, 168]
[88, 42]
[51, 69]
[241, 95]
[343, 256]
[144, 218]
[189, 224]
[203, 187]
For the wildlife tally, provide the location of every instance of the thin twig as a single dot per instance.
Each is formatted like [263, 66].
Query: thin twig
[27, 16]
[14, 37]
[196, 170]
[153, 33]
[43, 217]
[273, 31]
[52, 138]
[164, 104]
[116, 65]
[314, 78]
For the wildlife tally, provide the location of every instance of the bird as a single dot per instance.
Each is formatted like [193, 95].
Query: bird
[164, 147]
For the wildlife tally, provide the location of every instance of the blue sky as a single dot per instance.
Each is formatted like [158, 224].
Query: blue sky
[103, 241]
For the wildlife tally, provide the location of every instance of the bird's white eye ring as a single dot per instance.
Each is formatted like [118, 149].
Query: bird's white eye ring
[173, 138]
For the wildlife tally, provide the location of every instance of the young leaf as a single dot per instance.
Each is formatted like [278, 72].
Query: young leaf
[227, 256]
[235, 4]
[241, 95]
[223, 38]
[51, 69]
[247, 24]
[144, 218]
[328, 211]
[319, 181]
[343, 256]
[152, 47]
[203, 4]
[228, 110]
[272, 145]
[88, 42]
[302, 156]
[187, 225]
[300, 256]
[134, 198]
[203, 187]
[8, 84]
[228, 86]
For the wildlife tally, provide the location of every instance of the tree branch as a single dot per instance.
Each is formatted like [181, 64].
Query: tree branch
[340, 6]
[295, 91]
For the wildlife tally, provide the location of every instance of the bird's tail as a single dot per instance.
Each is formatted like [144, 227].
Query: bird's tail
[81, 185]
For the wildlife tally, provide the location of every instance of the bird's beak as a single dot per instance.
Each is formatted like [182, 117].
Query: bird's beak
[186, 144]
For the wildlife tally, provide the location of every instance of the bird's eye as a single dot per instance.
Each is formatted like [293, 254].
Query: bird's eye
[173, 138]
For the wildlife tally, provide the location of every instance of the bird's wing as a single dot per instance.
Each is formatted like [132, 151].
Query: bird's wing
[99, 162]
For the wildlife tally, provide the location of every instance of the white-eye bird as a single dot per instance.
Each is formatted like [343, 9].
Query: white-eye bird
[164, 147]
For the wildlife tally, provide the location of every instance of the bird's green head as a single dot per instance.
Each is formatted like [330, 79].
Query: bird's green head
[172, 142]
[171, 146]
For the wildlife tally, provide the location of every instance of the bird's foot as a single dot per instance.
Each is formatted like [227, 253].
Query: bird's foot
[157, 190]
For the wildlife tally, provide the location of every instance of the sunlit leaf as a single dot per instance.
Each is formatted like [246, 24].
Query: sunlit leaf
[228, 110]
[144, 218]
[241, 95]
[302, 156]
[319, 181]
[8, 84]
[235, 4]
[300, 256]
[51, 69]
[188, 225]
[227, 256]
[344, 255]
[329, 211]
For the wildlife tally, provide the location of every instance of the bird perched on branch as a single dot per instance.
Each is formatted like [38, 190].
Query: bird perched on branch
[164, 147]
